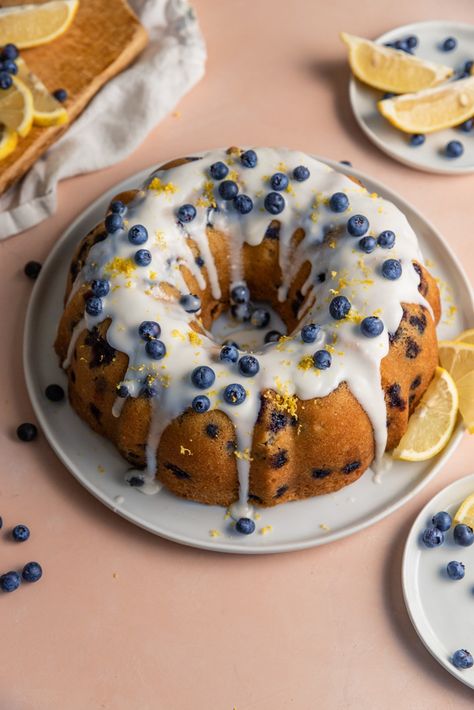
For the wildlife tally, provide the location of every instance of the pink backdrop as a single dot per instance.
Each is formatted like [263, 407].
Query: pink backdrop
[124, 620]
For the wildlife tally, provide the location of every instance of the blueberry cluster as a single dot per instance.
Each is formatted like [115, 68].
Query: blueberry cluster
[385, 240]
[150, 331]
[407, 44]
[243, 310]
[31, 572]
[8, 66]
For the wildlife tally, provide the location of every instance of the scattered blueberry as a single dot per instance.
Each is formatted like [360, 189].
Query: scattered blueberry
[371, 327]
[113, 222]
[339, 202]
[32, 269]
[60, 95]
[229, 353]
[310, 332]
[245, 526]
[32, 572]
[149, 329]
[118, 207]
[412, 41]
[449, 44]
[248, 365]
[55, 393]
[273, 336]
[432, 537]
[357, 225]
[218, 170]
[228, 189]
[100, 287]
[142, 257]
[201, 403]
[240, 294]
[391, 269]
[10, 51]
[234, 394]
[249, 159]
[455, 570]
[243, 204]
[322, 359]
[301, 173]
[467, 126]
[260, 318]
[417, 139]
[367, 244]
[150, 389]
[10, 581]
[274, 203]
[442, 521]
[454, 149]
[186, 213]
[156, 349]
[386, 239]
[462, 659]
[339, 307]
[463, 535]
[27, 432]
[279, 182]
[203, 377]
[94, 306]
[10, 66]
[402, 45]
[20, 533]
[190, 303]
[5, 80]
[138, 234]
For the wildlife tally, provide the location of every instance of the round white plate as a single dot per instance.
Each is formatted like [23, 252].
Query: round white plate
[98, 466]
[429, 156]
[440, 608]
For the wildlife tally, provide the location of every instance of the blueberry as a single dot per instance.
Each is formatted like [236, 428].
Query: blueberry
[310, 332]
[60, 95]
[339, 307]
[249, 365]
[245, 526]
[10, 51]
[339, 202]
[218, 170]
[455, 570]
[138, 234]
[249, 159]
[118, 207]
[432, 537]
[322, 359]
[449, 44]
[442, 521]
[32, 572]
[463, 535]
[100, 287]
[240, 294]
[10, 66]
[1, 522]
[273, 336]
[94, 306]
[279, 182]
[468, 66]
[467, 126]
[401, 44]
[228, 189]
[10, 581]
[417, 139]
[142, 257]
[32, 269]
[301, 173]
[357, 225]
[274, 203]
[5, 80]
[454, 149]
[203, 377]
[150, 390]
[190, 303]
[367, 244]
[54, 393]
[462, 75]
[122, 391]
[186, 213]
[371, 327]
[229, 353]
[199, 261]
[388, 95]
[149, 329]
[27, 432]
[156, 349]
[260, 318]
[241, 312]
[412, 41]
[234, 394]
[243, 204]
[346, 162]
[462, 659]
[391, 269]
[20, 533]
[201, 403]
[113, 222]
[386, 239]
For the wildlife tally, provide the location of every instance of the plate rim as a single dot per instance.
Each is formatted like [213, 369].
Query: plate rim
[373, 137]
[211, 545]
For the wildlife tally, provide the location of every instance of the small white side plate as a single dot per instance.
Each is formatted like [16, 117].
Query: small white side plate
[99, 468]
[441, 609]
[429, 156]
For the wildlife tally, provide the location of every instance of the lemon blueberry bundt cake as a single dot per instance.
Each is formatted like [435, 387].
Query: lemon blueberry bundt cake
[309, 410]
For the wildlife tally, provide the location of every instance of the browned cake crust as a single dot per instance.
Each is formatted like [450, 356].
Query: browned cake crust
[324, 445]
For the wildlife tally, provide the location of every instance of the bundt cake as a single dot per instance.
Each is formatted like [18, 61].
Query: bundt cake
[310, 409]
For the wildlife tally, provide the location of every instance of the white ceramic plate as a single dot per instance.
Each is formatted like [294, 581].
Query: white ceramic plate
[440, 608]
[97, 465]
[429, 156]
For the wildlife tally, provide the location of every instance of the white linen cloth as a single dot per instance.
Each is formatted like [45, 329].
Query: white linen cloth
[119, 116]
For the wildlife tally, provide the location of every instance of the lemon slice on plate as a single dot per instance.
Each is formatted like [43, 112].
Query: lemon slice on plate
[8, 141]
[31, 25]
[432, 109]
[432, 423]
[47, 111]
[465, 512]
[458, 358]
[16, 108]
[391, 69]
[467, 336]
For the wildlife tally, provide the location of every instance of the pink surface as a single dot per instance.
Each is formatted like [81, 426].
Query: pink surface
[123, 620]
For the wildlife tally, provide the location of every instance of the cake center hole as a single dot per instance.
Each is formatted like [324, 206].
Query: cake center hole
[250, 329]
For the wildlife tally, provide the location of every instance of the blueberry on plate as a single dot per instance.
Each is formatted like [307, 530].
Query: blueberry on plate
[463, 535]
[371, 327]
[201, 403]
[386, 239]
[20, 533]
[301, 173]
[249, 159]
[442, 521]
[234, 394]
[274, 203]
[417, 139]
[32, 269]
[455, 570]
[310, 332]
[279, 182]
[339, 307]
[367, 244]
[339, 202]
[149, 329]
[203, 377]
[467, 126]
[156, 349]
[249, 365]
[138, 234]
[462, 659]
[32, 572]
[243, 204]
[432, 537]
[229, 353]
[245, 526]
[449, 44]
[357, 225]
[391, 269]
[219, 170]
[454, 149]
[10, 581]
[142, 257]
[54, 393]
[322, 359]
[27, 432]
[228, 189]
[186, 213]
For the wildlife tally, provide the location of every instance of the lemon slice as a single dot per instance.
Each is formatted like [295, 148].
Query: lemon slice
[465, 512]
[16, 108]
[432, 423]
[432, 109]
[31, 25]
[458, 358]
[47, 111]
[391, 69]
[467, 336]
[8, 141]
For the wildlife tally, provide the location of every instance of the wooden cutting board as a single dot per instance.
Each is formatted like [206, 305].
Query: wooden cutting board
[104, 38]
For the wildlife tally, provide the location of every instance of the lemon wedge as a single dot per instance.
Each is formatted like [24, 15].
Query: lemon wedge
[465, 512]
[31, 25]
[432, 423]
[391, 69]
[432, 109]
[16, 108]
[467, 336]
[458, 358]
[8, 141]
[47, 111]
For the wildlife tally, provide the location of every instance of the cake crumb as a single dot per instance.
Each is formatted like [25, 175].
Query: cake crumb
[266, 529]
[324, 527]
[257, 516]
[214, 533]
[159, 187]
